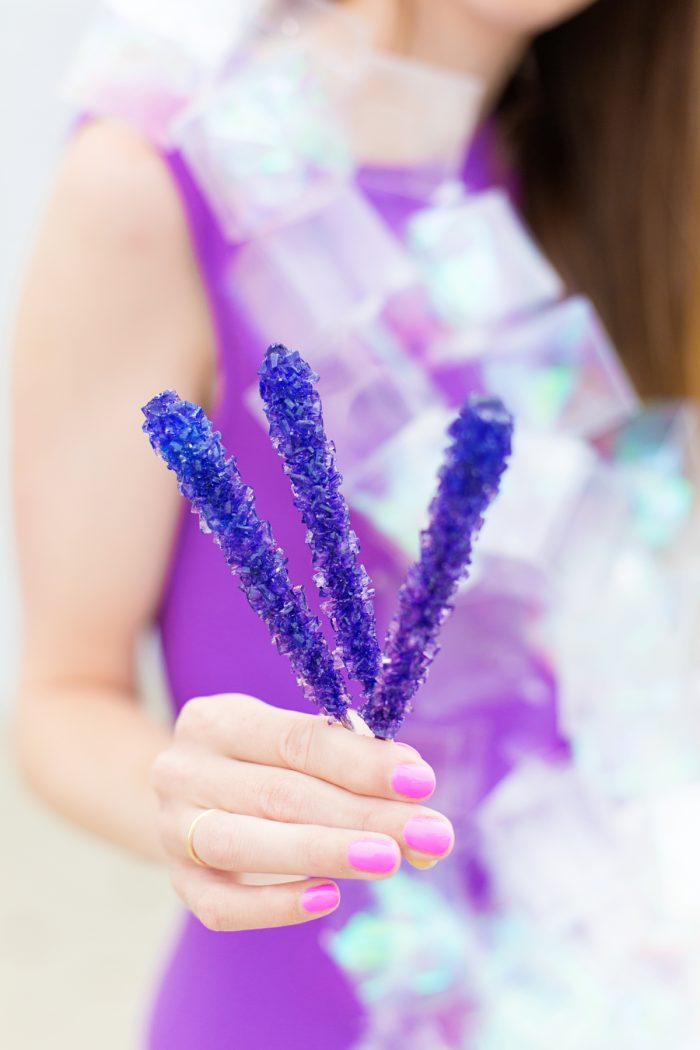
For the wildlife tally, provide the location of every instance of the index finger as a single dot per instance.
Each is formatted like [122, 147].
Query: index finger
[250, 730]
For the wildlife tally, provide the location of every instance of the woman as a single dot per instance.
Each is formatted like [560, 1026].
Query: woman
[590, 112]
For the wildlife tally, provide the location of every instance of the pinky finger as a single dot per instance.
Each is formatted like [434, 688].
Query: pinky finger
[221, 904]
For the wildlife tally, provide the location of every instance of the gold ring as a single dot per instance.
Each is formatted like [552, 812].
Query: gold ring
[191, 851]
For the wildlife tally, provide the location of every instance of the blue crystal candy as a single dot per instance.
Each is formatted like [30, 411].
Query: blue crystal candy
[181, 434]
[468, 480]
[294, 412]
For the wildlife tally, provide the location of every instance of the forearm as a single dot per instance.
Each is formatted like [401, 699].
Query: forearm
[87, 751]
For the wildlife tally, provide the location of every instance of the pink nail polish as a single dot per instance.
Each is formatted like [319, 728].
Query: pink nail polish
[413, 780]
[428, 835]
[320, 898]
[373, 855]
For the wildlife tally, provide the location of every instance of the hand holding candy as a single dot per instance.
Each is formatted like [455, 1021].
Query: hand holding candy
[287, 803]
[468, 481]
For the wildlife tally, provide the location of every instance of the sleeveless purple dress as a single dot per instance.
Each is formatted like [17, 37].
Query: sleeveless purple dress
[269, 988]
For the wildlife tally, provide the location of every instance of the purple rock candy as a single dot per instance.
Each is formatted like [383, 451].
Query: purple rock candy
[181, 434]
[294, 412]
[468, 480]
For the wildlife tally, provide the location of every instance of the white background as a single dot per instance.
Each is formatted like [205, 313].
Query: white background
[37, 38]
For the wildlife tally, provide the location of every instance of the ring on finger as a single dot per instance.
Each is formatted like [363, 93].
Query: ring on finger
[189, 840]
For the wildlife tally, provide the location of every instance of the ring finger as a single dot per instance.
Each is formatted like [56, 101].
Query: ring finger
[236, 843]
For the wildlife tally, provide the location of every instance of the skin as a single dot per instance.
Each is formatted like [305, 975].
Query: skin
[482, 38]
[112, 309]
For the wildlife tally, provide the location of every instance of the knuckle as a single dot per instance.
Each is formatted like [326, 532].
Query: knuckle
[296, 742]
[201, 717]
[164, 772]
[196, 717]
[317, 855]
[170, 833]
[368, 821]
[241, 701]
[279, 798]
[212, 912]
[294, 914]
[176, 770]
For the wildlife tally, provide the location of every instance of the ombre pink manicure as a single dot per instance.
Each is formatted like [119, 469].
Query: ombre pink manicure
[374, 856]
[413, 780]
[428, 835]
[320, 898]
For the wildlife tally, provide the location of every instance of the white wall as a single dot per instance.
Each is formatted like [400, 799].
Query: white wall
[37, 38]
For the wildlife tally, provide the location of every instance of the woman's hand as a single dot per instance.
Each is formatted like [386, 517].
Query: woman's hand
[293, 797]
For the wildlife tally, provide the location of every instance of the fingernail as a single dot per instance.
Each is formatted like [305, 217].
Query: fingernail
[320, 898]
[428, 835]
[373, 855]
[413, 780]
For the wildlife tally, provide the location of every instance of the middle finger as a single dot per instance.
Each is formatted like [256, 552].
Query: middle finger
[290, 797]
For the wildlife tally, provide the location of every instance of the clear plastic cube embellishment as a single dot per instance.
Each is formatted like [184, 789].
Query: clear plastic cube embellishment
[265, 144]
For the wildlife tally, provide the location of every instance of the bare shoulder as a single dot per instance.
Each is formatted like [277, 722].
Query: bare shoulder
[113, 277]
[112, 310]
[115, 185]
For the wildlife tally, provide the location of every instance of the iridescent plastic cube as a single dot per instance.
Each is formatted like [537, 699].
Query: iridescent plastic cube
[125, 70]
[556, 370]
[351, 262]
[657, 459]
[265, 144]
[411, 123]
[208, 30]
[529, 519]
[480, 264]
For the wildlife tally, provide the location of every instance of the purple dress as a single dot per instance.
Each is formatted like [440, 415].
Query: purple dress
[279, 987]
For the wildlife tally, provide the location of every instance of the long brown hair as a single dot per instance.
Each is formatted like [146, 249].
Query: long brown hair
[599, 124]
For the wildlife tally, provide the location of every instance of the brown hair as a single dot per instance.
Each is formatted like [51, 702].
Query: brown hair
[599, 124]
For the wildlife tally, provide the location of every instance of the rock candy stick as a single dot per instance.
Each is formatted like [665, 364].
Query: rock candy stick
[294, 412]
[468, 480]
[181, 434]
